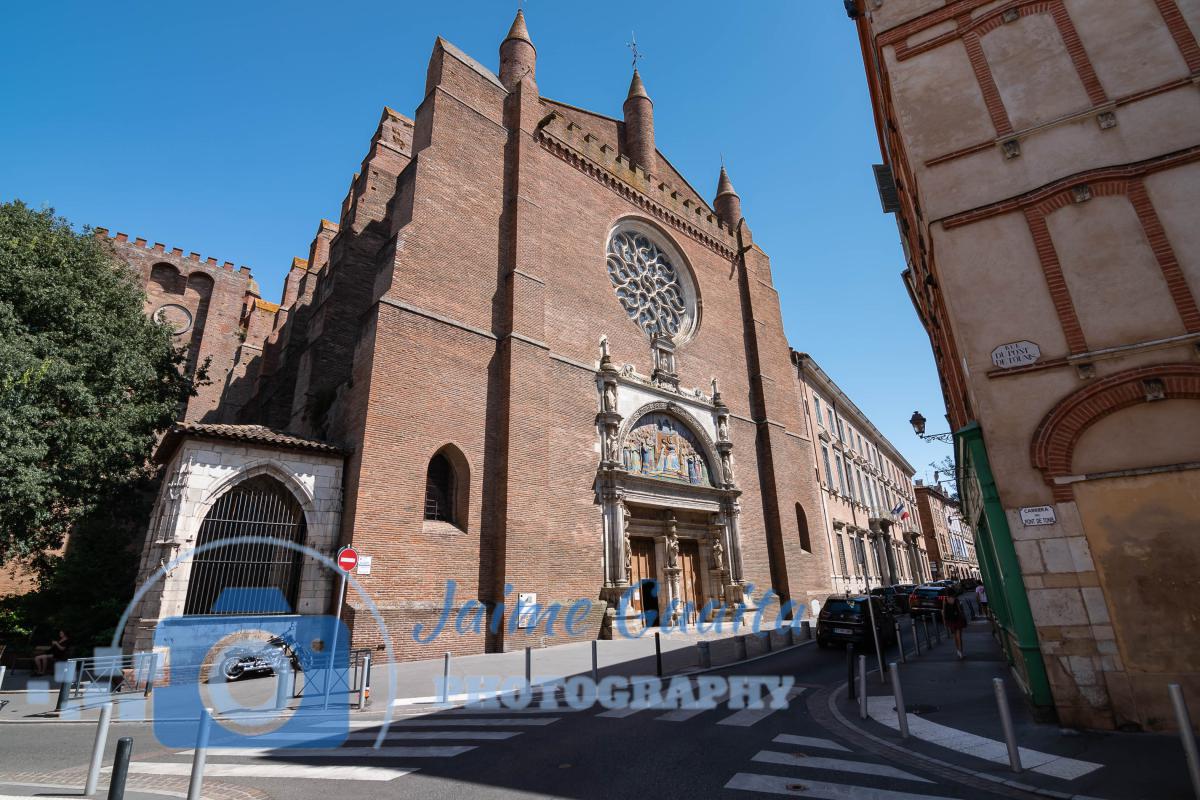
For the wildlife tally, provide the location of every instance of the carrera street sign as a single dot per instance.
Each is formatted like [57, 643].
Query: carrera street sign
[1038, 515]
[347, 559]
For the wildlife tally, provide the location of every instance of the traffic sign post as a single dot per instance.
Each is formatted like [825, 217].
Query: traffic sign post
[347, 560]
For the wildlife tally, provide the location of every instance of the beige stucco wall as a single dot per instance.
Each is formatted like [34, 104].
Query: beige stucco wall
[1087, 573]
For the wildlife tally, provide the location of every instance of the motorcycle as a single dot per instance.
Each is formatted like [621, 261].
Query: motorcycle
[276, 655]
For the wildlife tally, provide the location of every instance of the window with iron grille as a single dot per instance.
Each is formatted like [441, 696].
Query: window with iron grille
[439, 489]
[250, 526]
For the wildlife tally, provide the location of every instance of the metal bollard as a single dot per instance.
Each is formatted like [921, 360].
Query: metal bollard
[120, 770]
[281, 689]
[862, 687]
[200, 756]
[93, 775]
[805, 630]
[151, 673]
[705, 655]
[2, 671]
[791, 636]
[741, 648]
[1010, 736]
[900, 644]
[658, 654]
[770, 641]
[528, 667]
[850, 682]
[64, 696]
[446, 674]
[916, 639]
[898, 693]
[928, 639]
[595, 661]
[1186, 734]
[364, 688]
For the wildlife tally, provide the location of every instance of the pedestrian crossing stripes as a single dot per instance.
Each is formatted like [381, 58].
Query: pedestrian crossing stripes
[819, 790]
[498, 721]
[307, 771]
[834, 765]
[849, 774]
[344, 752]
[809, 741]
[748, 716]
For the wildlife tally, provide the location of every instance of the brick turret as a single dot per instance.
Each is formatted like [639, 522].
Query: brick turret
[639, 126]
[518, 56]
[727, 203]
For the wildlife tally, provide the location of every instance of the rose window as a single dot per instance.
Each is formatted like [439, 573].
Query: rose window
[648, 285]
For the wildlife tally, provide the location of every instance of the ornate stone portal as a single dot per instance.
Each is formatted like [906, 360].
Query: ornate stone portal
[664, 480]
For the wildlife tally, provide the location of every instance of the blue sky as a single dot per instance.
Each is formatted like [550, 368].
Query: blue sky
[230, 129]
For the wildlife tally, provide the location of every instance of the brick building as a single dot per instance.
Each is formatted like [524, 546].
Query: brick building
[529, 358]
[1043, 161]
[949, 540]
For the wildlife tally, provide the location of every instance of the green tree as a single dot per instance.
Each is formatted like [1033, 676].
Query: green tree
[87, 381]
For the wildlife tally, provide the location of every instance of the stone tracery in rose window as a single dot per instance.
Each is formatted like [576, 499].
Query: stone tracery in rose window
[648, 284]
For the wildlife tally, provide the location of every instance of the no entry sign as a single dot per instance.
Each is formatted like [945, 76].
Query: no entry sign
[347, 559]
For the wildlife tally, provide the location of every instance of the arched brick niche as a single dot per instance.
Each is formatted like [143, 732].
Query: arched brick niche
[1054, 440]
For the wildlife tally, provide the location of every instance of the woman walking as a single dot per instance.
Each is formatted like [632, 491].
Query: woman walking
[954, 620]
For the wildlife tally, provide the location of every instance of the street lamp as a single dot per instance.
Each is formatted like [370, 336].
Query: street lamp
[918, 423]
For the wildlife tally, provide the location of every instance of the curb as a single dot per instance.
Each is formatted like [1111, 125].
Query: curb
[909, 754]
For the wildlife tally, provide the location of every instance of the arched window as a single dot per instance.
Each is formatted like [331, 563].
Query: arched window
[251, 571]
[802, 526]
[446, 486]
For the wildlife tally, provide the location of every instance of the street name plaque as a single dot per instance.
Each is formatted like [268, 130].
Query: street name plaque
[1038, 515]
[1016, 354]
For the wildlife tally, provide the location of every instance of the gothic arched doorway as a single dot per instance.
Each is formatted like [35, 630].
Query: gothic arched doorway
[259, 507]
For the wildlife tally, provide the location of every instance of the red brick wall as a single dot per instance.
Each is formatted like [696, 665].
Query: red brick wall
[215, 297]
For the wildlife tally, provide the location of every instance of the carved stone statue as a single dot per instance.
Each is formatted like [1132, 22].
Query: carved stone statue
[723, 428]
[603, 347]
[718, 554]
[673, 549]
[727, 466]
[610, 397]
[614, 447]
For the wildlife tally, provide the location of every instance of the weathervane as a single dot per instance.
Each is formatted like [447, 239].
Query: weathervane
[633, 45]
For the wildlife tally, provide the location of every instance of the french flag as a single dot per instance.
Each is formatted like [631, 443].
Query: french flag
[901, 510]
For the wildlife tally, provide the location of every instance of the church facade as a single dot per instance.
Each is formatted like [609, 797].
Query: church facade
[528, 359]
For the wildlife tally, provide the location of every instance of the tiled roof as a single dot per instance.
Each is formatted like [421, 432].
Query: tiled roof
[254, 434]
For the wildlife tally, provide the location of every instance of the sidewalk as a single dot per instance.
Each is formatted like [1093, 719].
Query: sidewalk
[418, 682]
[953, 719]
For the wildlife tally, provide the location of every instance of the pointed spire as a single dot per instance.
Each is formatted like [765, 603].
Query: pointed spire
[636, 87]
[518, 56]
[518, 29]
[724, 185]
[728, 203]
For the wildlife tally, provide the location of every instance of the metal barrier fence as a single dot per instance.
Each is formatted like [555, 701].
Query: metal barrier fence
[125, 672]
[132, 672]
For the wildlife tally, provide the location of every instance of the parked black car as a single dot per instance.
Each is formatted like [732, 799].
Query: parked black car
[903, 591]
[927, 599]
[847, 619]
[887, 594]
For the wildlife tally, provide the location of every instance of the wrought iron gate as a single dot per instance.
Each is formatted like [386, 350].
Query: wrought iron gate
[261, 507]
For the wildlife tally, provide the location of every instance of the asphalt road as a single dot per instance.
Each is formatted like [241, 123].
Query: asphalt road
[797, 751]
